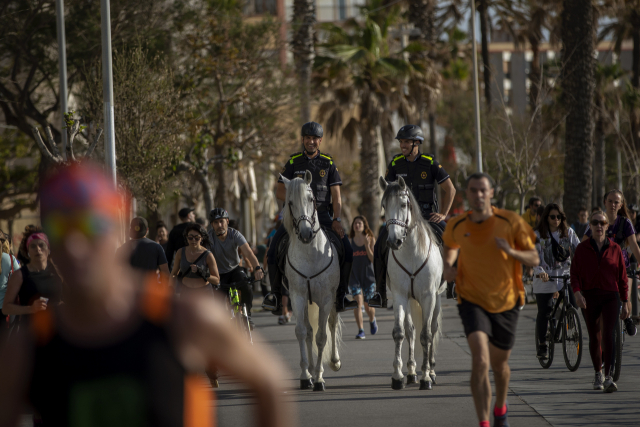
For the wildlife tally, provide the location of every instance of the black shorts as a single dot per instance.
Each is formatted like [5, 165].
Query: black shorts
[500, 327]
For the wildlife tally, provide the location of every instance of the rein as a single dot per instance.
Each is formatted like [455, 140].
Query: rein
[407, 229]
[412, 275]
[308, 279]
[311, 220]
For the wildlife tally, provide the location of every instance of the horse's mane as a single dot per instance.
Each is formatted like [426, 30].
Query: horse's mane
[424, 232]
[294, 194]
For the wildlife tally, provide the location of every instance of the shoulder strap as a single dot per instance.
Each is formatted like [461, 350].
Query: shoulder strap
[200, 257]
[156, 299]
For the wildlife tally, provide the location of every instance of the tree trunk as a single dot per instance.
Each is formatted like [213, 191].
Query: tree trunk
[486, 70]
[302, 45]
[433, 146]
[153, 217]
[635, 82]
[221, 193]
[207, 190]
[369, 190]
[535, 76]
[599, 155]
[578, 38]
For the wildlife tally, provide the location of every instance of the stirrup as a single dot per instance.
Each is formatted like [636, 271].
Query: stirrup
[345, 304]
[272, 304]
[377, 301]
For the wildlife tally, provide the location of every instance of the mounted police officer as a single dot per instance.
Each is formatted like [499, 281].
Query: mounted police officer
[325, 185]
[421, 173]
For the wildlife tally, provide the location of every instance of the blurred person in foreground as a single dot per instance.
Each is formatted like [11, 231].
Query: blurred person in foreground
[112, 355]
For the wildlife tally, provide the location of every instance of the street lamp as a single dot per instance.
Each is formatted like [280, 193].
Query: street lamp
[107, 92]
[475, 87]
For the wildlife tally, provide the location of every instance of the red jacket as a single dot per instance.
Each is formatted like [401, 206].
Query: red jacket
[591, 270]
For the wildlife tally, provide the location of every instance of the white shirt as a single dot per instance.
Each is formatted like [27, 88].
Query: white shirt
[549, 265]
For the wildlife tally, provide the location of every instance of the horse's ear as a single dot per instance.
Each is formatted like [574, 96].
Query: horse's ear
[383, 183]
[403, 186]
[307, 177]
[285, 181]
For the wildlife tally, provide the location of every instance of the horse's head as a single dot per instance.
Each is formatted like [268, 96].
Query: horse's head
[397, 211]
[300, 210]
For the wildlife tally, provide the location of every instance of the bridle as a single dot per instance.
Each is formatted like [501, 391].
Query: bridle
[406, 228]
[311, 220]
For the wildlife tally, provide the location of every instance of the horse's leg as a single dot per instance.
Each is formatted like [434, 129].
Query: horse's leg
[426, 339]
[399, 305]
[435, 328]
[410, 330]
[334, 321]
[309, 340]
[301, 334]
[321, 342]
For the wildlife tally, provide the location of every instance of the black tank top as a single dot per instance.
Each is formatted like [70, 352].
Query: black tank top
[137, 381]
[44, 283]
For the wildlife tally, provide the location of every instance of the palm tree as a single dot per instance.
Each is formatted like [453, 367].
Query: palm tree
[302, 45]
[363, 82]
[578, 86]
[625, 26]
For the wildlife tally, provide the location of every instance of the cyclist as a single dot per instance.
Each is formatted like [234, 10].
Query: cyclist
[490, 244]
[201, 272]
[325, 185]
[421, 173]
[225, 242]
[555, 243]
[622, 232]
[599, 280]
[117, 353]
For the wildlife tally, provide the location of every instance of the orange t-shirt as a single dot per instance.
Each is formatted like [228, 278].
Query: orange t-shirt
[486, 275]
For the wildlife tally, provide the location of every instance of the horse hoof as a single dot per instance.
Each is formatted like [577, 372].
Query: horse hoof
[318, 387]
[397, 384]
[306, 384]
[335, 367]
[433, 378]
[425, 385]
[412, 379]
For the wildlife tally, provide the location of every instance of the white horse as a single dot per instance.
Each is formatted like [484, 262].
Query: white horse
[414, 268]
[313, 273]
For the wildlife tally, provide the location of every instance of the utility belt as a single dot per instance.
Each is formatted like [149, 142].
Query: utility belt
[426, 209]
[327, 207]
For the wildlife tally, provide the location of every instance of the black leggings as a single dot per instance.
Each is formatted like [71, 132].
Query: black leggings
[545, 304]
[601, 315]
[239, 280]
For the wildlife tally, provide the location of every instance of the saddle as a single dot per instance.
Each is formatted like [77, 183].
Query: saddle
[283, 248]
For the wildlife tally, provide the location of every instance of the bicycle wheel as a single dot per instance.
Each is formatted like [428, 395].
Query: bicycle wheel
[572, 339]
[243, 318]
[546, 363]
[617, 348]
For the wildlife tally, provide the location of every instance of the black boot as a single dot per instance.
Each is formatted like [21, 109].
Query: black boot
[450, 286]
[273, 301]
[379, 299]
[342, 303]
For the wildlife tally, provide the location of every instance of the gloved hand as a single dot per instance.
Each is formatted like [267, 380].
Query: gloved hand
[203, 272]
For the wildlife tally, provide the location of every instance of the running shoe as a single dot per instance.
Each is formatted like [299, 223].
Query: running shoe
[374, 327]
[609, 386]
[360, 335]
[630, 326]
[598, 382]
[501, 421]
[281, 320]
[543, 351]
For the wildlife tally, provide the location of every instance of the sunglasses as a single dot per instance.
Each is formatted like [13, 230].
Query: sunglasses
[193, 237]
[595, 222]
[559, 217]
[89, 224]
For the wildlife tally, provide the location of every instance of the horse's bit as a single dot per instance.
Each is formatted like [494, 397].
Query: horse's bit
[311, 220]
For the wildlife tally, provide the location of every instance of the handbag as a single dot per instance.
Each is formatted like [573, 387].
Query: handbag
[560, 253]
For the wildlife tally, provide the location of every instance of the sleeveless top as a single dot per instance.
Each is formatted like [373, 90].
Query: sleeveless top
[44, 283]
[137, 381]
[185, 265]
[362, 269]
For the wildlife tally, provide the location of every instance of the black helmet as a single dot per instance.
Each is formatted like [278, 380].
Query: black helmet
[312, 129]
[218, 213]
[410, 132]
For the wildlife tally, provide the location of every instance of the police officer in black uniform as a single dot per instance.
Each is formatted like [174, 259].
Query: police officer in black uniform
[421, 173]
[325, 185]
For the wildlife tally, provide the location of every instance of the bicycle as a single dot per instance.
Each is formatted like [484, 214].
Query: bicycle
[567, 321]
[618, 339]
[238, 310]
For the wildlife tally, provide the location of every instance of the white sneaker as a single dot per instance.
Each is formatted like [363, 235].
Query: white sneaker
[609, 385]
[598, 382]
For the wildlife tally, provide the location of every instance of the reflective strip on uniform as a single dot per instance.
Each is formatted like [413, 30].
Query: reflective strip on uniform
[393, 163]
[293, 157]
[327, 157]
[428, 158]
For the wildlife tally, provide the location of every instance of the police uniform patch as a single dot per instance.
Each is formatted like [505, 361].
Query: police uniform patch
[322, 172]
[423, 175]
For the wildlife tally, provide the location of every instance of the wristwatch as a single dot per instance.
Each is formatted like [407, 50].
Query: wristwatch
[259, 267]
[337, 219]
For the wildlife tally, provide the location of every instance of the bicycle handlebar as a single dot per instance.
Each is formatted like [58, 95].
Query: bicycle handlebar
[564, 277]
[235, 284]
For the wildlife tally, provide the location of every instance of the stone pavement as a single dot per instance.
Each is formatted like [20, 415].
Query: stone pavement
[360, 393]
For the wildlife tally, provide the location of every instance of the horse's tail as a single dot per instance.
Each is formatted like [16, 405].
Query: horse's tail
[314, 314]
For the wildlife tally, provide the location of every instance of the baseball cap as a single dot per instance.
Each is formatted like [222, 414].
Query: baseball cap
[184, 212]
[139, 227]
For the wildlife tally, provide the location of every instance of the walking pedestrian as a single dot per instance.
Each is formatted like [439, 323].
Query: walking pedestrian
[532, 208]
[176, 236]
[556, 243]
[117, 353]
[362, 283]
[490, 245]
[8, 265]
[143, 253]
[581, 225]
[599, 280]
[162, 236]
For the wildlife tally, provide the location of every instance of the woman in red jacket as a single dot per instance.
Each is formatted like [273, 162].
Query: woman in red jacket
[599, 280]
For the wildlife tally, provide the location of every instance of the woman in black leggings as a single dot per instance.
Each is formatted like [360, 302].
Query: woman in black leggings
[599, 280]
